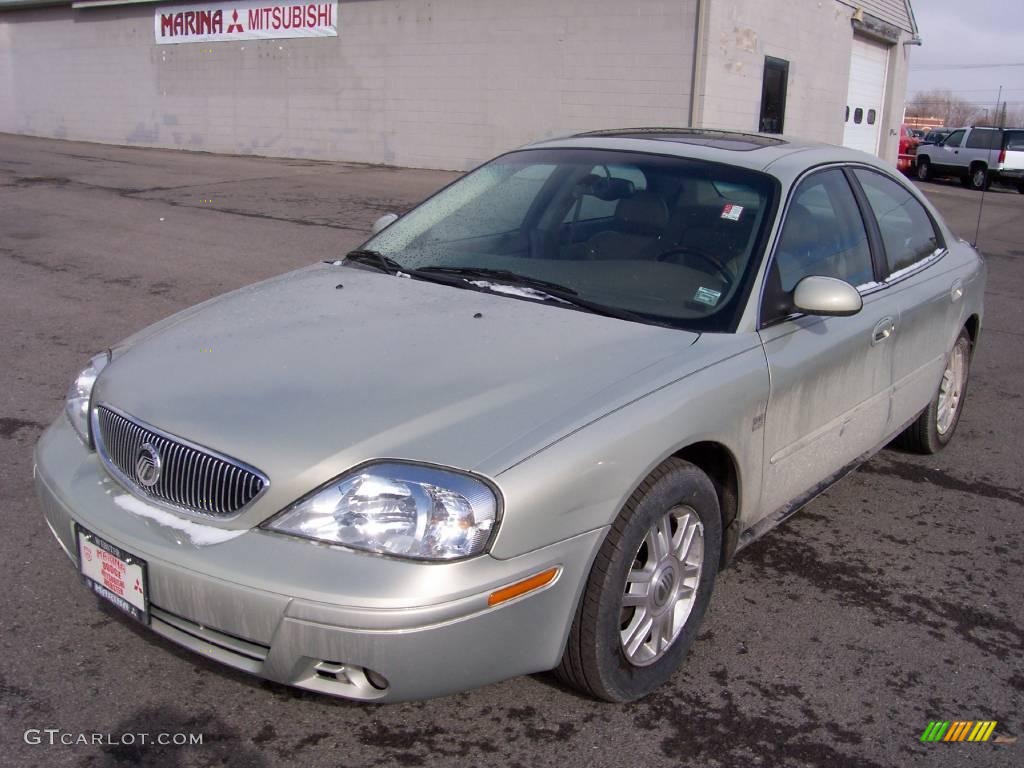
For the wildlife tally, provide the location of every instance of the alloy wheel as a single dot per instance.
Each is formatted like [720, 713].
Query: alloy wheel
[661, 586]
[951, 389]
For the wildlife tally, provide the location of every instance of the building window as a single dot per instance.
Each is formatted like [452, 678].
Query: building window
[847, 118]
[858, 115]
[773, 95]
[871, 116]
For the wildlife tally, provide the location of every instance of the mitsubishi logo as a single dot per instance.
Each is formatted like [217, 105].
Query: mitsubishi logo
[235, 26]
[147, 465]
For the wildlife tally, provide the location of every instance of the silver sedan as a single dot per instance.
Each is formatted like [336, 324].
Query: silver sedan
[526, 424]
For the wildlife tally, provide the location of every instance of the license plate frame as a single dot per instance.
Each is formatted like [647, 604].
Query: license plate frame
[114, 575]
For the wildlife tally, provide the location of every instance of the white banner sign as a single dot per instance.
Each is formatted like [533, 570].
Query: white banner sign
[244, 20]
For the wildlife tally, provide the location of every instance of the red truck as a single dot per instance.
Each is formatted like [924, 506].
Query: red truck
[908, 149]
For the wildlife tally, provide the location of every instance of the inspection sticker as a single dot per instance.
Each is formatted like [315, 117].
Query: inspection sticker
[732, 212]
[707, 296]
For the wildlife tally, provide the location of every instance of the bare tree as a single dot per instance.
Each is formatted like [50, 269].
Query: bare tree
[1014, 117]
[942, 104]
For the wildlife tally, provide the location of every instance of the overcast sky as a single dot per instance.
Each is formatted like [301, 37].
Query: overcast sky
[968, 33]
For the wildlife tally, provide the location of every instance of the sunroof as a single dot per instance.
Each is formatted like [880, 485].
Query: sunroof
[738, 142]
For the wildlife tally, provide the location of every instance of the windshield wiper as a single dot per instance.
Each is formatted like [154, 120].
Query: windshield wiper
[375, 259]
[456, 276]
[597, 308]
[506, 276]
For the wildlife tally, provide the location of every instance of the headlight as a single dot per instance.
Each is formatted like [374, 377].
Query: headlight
[80, 393]
[405, 510]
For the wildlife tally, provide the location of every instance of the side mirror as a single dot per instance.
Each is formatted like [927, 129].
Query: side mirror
[816, 295]
[383, 222]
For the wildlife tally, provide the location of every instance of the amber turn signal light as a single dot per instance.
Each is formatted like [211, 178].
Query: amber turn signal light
[522, 587]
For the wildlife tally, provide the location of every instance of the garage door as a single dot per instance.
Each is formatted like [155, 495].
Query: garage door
[866, 94]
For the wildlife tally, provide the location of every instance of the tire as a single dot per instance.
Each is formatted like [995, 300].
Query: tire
[978, 178]
[924, 169]
[678, 501]
[1020, 188]
[935, 426]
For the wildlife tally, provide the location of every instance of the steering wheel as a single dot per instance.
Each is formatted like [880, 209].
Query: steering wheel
[687, 253]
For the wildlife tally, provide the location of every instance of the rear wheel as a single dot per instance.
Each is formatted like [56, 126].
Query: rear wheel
[935, 426]
[648, 589]
[978, 179]
[924, 169]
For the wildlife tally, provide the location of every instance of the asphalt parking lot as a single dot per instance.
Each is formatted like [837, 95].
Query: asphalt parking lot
[892, 600]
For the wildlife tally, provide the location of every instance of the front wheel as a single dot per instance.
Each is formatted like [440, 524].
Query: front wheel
[648, 588]
[935, 426]
[924, 169]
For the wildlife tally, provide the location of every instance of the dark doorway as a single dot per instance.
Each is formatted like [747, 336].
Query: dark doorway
[773, 95]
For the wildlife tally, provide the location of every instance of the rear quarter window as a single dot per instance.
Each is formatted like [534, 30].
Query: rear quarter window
[1014, 141]
[983, 139]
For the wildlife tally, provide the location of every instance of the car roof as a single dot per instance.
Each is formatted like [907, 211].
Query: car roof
[781, 155]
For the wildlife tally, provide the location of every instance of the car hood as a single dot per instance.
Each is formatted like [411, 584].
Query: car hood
[306, 375]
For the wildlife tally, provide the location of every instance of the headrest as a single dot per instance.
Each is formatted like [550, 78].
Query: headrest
[604, 188]
[645, 212]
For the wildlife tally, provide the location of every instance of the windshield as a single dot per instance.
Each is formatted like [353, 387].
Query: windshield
[671, 240]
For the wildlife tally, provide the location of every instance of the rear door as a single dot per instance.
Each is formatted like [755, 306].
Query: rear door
[926, 288]
[830, 376]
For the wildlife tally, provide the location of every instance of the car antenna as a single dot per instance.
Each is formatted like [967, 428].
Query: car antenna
[988, 167]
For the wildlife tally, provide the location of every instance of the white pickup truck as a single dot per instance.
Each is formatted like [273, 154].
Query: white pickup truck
[978, 156]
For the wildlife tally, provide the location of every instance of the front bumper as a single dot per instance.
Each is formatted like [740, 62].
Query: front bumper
[315, 616]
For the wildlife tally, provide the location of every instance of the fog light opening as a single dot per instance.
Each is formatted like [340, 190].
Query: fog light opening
[376, 679]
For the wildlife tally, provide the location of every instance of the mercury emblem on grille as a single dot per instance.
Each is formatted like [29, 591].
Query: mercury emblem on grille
[147, 465]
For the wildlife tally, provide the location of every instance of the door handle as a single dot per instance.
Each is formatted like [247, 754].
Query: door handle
[883, 330]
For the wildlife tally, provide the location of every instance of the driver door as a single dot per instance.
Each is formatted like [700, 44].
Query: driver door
[831, 377]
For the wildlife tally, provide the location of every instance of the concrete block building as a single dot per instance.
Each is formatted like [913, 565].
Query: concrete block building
[447, 83]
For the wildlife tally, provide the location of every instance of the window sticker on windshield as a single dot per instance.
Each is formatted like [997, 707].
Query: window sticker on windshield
[707, 296]
[732, 212]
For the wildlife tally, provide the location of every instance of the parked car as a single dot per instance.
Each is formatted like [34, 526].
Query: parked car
[936, 135]
[918, 133]
[907, 149]
[525, 425]
[976, 155]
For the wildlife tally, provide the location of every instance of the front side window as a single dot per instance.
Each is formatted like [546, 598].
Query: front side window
[907, 230]
[671, 240]
[954, 139]
[824, 234]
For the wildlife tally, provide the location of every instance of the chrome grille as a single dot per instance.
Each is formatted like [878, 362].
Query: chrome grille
[191, 478]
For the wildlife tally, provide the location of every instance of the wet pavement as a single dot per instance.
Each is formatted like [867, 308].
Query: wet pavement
[892, 600]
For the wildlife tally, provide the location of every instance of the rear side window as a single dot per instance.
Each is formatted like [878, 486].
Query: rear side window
[982, 139]
[907, 230]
